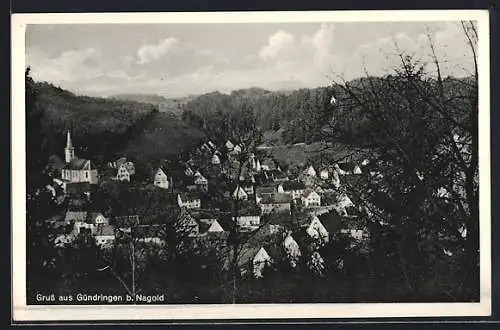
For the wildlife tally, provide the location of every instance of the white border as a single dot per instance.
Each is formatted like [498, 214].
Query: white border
[22, 312]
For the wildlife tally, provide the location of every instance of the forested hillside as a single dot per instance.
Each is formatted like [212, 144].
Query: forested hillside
[304, 115]
[298, 114]
[105, 129]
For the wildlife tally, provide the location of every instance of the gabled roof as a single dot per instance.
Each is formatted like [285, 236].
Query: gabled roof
[75, 216]
[189, 196]
[247, 254]
[77, 164]
[332, 221]
[121, 161]
[308, 192]
[293, 185]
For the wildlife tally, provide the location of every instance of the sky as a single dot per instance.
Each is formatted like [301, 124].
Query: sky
[175, 60]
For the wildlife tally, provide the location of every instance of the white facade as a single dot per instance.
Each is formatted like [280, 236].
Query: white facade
[240, 194]
[292, 250]
[123, 174]
[248, 221]
[311, 199]
[194, 203]
[215, 227]
[317, 231]
[161, 179]
[311, 171]
[260, 261]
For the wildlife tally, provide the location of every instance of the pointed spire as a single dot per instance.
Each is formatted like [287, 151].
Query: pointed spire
[69, 144]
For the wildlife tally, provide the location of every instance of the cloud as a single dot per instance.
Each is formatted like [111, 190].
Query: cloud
[149, 53]
[382, 55]
[73, 65]
[278, 43]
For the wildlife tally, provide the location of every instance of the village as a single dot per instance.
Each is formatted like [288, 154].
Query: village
[257, 196]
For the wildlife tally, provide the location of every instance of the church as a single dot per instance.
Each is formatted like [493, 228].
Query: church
[77, 169]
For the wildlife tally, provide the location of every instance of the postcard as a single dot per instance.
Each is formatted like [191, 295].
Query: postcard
[250, 165]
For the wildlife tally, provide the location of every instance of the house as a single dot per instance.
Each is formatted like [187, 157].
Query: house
[209, 226]
[310, 198]
[188, 225]
[212, 145]
[295, 188]
[292, 250]
[240, 194]
[279, 202]
[77, 190]
[253, 261]
[75, 216]
[236, 150]
[279, 176]
[161, 180]
[126, 223]
[62, 240]
[347, 168]
[324, 173]
[316, 230]
[343, 201]
[188, 171]
[215, 160]
[125, 171]
[261, 192]
[85, 221]
[268, 164]
[189, 200]
[248, 219]
[150, 234]
[77, 169]
[357, 234]
[104, 236]
[215, 227]
[200, 181]
[310, 171]
[247, 185]
[229, 145]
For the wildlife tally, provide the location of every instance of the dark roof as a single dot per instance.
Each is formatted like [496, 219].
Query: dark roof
[148, 231]
[104, 230]
[293, 185]
[247, 254]
[191, 195]
[265, 190]
[276, 199]
[347, 166]
[77, 187]
[127, 221]
[75, 216]
[77, 164]
[331, 220]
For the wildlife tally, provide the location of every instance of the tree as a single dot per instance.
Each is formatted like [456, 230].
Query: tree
[422, 130]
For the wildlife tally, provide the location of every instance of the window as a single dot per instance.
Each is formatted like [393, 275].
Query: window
[86, 174]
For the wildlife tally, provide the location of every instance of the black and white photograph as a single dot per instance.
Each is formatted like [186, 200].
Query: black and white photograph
[285, 163]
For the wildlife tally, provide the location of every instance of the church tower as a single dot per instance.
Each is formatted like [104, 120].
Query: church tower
[69, 151]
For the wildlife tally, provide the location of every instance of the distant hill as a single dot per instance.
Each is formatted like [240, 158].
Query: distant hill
[172, 105]
[143, 98]
[105, 128]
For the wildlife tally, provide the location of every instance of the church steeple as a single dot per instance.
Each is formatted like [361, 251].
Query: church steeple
[69, 151]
